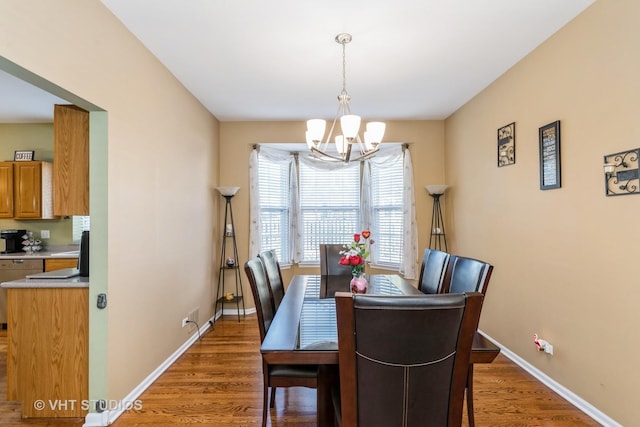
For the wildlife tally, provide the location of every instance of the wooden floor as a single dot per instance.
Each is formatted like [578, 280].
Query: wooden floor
[218, 382]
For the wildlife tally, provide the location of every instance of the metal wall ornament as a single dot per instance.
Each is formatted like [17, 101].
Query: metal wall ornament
[621, 175]
[507, 145]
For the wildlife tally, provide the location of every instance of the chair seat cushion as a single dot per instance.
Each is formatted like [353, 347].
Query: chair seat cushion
[306, 371]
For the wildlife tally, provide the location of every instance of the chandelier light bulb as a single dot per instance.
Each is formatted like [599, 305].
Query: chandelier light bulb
[350, 124]
[341, 145]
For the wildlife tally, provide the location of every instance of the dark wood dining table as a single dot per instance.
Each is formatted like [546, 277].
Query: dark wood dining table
[304, 329]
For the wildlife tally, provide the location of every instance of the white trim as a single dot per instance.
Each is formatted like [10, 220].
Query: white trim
[558, 388]
[94, 419]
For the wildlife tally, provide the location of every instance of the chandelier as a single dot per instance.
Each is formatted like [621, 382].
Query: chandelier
[349, 124]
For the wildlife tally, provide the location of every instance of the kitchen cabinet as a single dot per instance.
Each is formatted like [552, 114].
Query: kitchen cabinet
[48, 350]
[52, 264]
[14, 269]
[70, 160]
[32, 192]
[6, 189]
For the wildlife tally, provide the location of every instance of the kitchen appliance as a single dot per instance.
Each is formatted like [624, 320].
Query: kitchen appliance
[83, 259]
[11, 241]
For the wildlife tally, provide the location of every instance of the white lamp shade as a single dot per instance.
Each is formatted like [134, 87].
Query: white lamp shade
[350, 124]
[341, 145]
[376, 132]
[309, 140]
[436, 188]
[228, 191]
[315, 129]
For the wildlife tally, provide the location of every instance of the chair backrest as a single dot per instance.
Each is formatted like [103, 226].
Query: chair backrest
[274, 276]
[329, 261]
[467, 275]
[261, 294]
[393, 373]
[432, 271]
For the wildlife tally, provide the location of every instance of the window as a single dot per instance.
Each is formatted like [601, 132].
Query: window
[80, 224]
[329, 207]
[326, 206]
[274, 204]
[387, 201]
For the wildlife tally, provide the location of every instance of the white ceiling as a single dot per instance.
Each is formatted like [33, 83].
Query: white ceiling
[277, 60]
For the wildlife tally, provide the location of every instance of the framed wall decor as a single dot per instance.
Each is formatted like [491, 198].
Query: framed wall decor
[549, 140]
[23, 155]
[507, 145]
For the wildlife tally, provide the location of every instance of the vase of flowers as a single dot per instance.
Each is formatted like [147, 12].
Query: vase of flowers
[355, 255]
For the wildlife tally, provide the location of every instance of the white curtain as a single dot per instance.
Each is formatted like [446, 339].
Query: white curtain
[277, 156]
[409, 266]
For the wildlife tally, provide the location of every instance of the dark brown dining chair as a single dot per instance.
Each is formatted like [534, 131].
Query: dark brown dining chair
[273, 375]
[470, 275]
[394, 374]
[274, 276]
[330, 260]
[432, 271]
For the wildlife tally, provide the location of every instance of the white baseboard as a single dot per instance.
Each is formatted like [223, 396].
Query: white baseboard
[558, 388]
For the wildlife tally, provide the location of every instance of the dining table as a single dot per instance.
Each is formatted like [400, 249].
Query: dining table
[304, 329]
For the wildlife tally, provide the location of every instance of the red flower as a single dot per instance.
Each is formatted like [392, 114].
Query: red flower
[344, 260]
[366, 234]
[356, 260]
[356, 237]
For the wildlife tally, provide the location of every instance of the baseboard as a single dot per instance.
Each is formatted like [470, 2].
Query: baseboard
[558, 388]
[95, 419]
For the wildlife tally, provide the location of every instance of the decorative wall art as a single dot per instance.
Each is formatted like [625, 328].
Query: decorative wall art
[507, 145]
[621, 175]
[23, 155]
[549, 140]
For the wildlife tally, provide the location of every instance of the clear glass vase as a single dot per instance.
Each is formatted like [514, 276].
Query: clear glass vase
[359, 283]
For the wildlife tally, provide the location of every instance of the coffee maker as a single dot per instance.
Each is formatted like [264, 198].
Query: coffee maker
[11, 241]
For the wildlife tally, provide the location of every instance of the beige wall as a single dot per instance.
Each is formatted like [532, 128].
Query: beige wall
[162, 163]
[425, 140]
[37, 137]
[565, 259]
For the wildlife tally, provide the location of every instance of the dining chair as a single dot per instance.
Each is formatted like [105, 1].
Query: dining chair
[469, 275]
[274, 276]
[432, 271]
[274, 375]
[394, 374]
[330, 260]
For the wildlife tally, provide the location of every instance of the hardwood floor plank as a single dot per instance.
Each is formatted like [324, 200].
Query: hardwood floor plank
[218, 382]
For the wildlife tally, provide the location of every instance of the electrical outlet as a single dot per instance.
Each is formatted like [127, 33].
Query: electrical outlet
[185, 321]
[194, 314]
[44, 234]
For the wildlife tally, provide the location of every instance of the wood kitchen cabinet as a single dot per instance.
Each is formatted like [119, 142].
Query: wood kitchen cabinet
[48, 350]
[6, 189]
[32, 195]
[52, 264]
[70, 160]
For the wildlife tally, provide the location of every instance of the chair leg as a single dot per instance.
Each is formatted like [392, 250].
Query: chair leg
[272, 400]
[264, 403]
[470, 396]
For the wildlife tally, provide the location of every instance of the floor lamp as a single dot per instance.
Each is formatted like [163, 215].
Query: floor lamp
[438, 238]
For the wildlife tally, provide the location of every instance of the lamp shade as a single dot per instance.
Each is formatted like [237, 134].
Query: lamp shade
[350, 124]
[315, 130]
[228, 191]
[436, 188]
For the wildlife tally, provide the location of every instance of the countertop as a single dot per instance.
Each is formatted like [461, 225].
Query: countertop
[66, 251]
[73, 282]
[53, 252]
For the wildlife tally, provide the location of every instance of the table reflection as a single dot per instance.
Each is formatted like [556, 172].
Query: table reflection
[318, 329]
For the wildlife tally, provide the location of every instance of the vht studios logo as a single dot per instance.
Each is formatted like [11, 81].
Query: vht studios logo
[85, 405]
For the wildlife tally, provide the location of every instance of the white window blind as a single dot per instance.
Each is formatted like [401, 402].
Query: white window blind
[329, 207]
[273, 178]
[387, 220]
